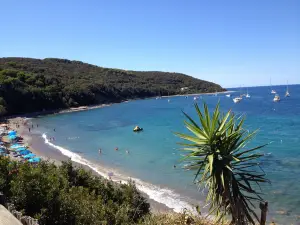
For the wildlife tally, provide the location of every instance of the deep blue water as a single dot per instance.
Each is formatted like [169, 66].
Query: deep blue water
[154, 152]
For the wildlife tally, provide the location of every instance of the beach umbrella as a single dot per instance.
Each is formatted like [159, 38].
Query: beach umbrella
[30, 155]
[12, 132]
[12, 137]
[35, 160]
[20, 149]
[24, 152]
[17, 146]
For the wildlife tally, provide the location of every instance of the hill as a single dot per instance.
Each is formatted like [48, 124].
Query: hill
[29, 85]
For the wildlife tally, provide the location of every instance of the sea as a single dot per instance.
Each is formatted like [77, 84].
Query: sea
[152, 158]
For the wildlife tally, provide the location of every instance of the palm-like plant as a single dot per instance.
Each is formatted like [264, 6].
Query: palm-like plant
[229, 171]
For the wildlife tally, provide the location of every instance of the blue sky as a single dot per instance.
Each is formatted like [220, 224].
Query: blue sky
[229, 42]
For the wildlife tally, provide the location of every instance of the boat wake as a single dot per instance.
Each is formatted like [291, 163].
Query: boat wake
[162, 195]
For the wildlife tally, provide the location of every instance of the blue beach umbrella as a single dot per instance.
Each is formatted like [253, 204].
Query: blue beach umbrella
[24, 152]
[20, 149]
[30, 155]
[12, 132]
[35, 160]
[12, 137]
[16, 146]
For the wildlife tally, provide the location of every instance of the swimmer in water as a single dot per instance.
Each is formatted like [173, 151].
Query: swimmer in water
[174, 166]
[100, 151]
[127, 152]
[116, 148]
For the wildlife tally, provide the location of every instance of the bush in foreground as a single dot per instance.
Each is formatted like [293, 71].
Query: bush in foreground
[67, 195]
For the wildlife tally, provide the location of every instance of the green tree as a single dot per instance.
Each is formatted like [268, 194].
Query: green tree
[69, 195]
[216, 149]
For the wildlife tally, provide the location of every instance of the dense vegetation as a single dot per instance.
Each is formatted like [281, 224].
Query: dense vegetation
[68, 195]
[29, 85]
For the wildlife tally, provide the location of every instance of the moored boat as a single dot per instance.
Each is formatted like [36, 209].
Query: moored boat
[276, 98]
[237, 99]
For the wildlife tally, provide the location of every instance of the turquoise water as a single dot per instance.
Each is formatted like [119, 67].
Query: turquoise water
[154, 152]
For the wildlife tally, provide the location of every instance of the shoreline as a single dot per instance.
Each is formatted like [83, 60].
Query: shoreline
[97, 106]
[36, 144]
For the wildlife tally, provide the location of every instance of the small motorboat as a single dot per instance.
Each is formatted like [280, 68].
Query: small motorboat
[228, 96]
[276, 98]
[137, 129]
[237, 99]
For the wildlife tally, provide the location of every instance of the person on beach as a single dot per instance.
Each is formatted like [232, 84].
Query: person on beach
[37, 125]
[31, 125]
[29, 129]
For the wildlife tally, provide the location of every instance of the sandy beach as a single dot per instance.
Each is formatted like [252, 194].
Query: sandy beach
[37, 145]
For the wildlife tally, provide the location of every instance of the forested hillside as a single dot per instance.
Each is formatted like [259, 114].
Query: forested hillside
[29, 85]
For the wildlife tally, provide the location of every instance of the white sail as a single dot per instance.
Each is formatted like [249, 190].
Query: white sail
[272, 90]
[287, 93]
[247, 95]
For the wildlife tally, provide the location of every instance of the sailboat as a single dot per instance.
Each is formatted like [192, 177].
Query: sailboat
[272, 90]
[287, 94]
[247, 95]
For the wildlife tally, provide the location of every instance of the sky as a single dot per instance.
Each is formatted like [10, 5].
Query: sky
[230, 42]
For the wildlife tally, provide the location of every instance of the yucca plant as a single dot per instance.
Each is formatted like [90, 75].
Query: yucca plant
[216, 150]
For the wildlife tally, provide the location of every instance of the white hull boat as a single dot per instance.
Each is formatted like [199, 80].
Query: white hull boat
[237, 99]
[276, 98]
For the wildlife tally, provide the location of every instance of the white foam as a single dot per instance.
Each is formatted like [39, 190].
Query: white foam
[161, 195]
